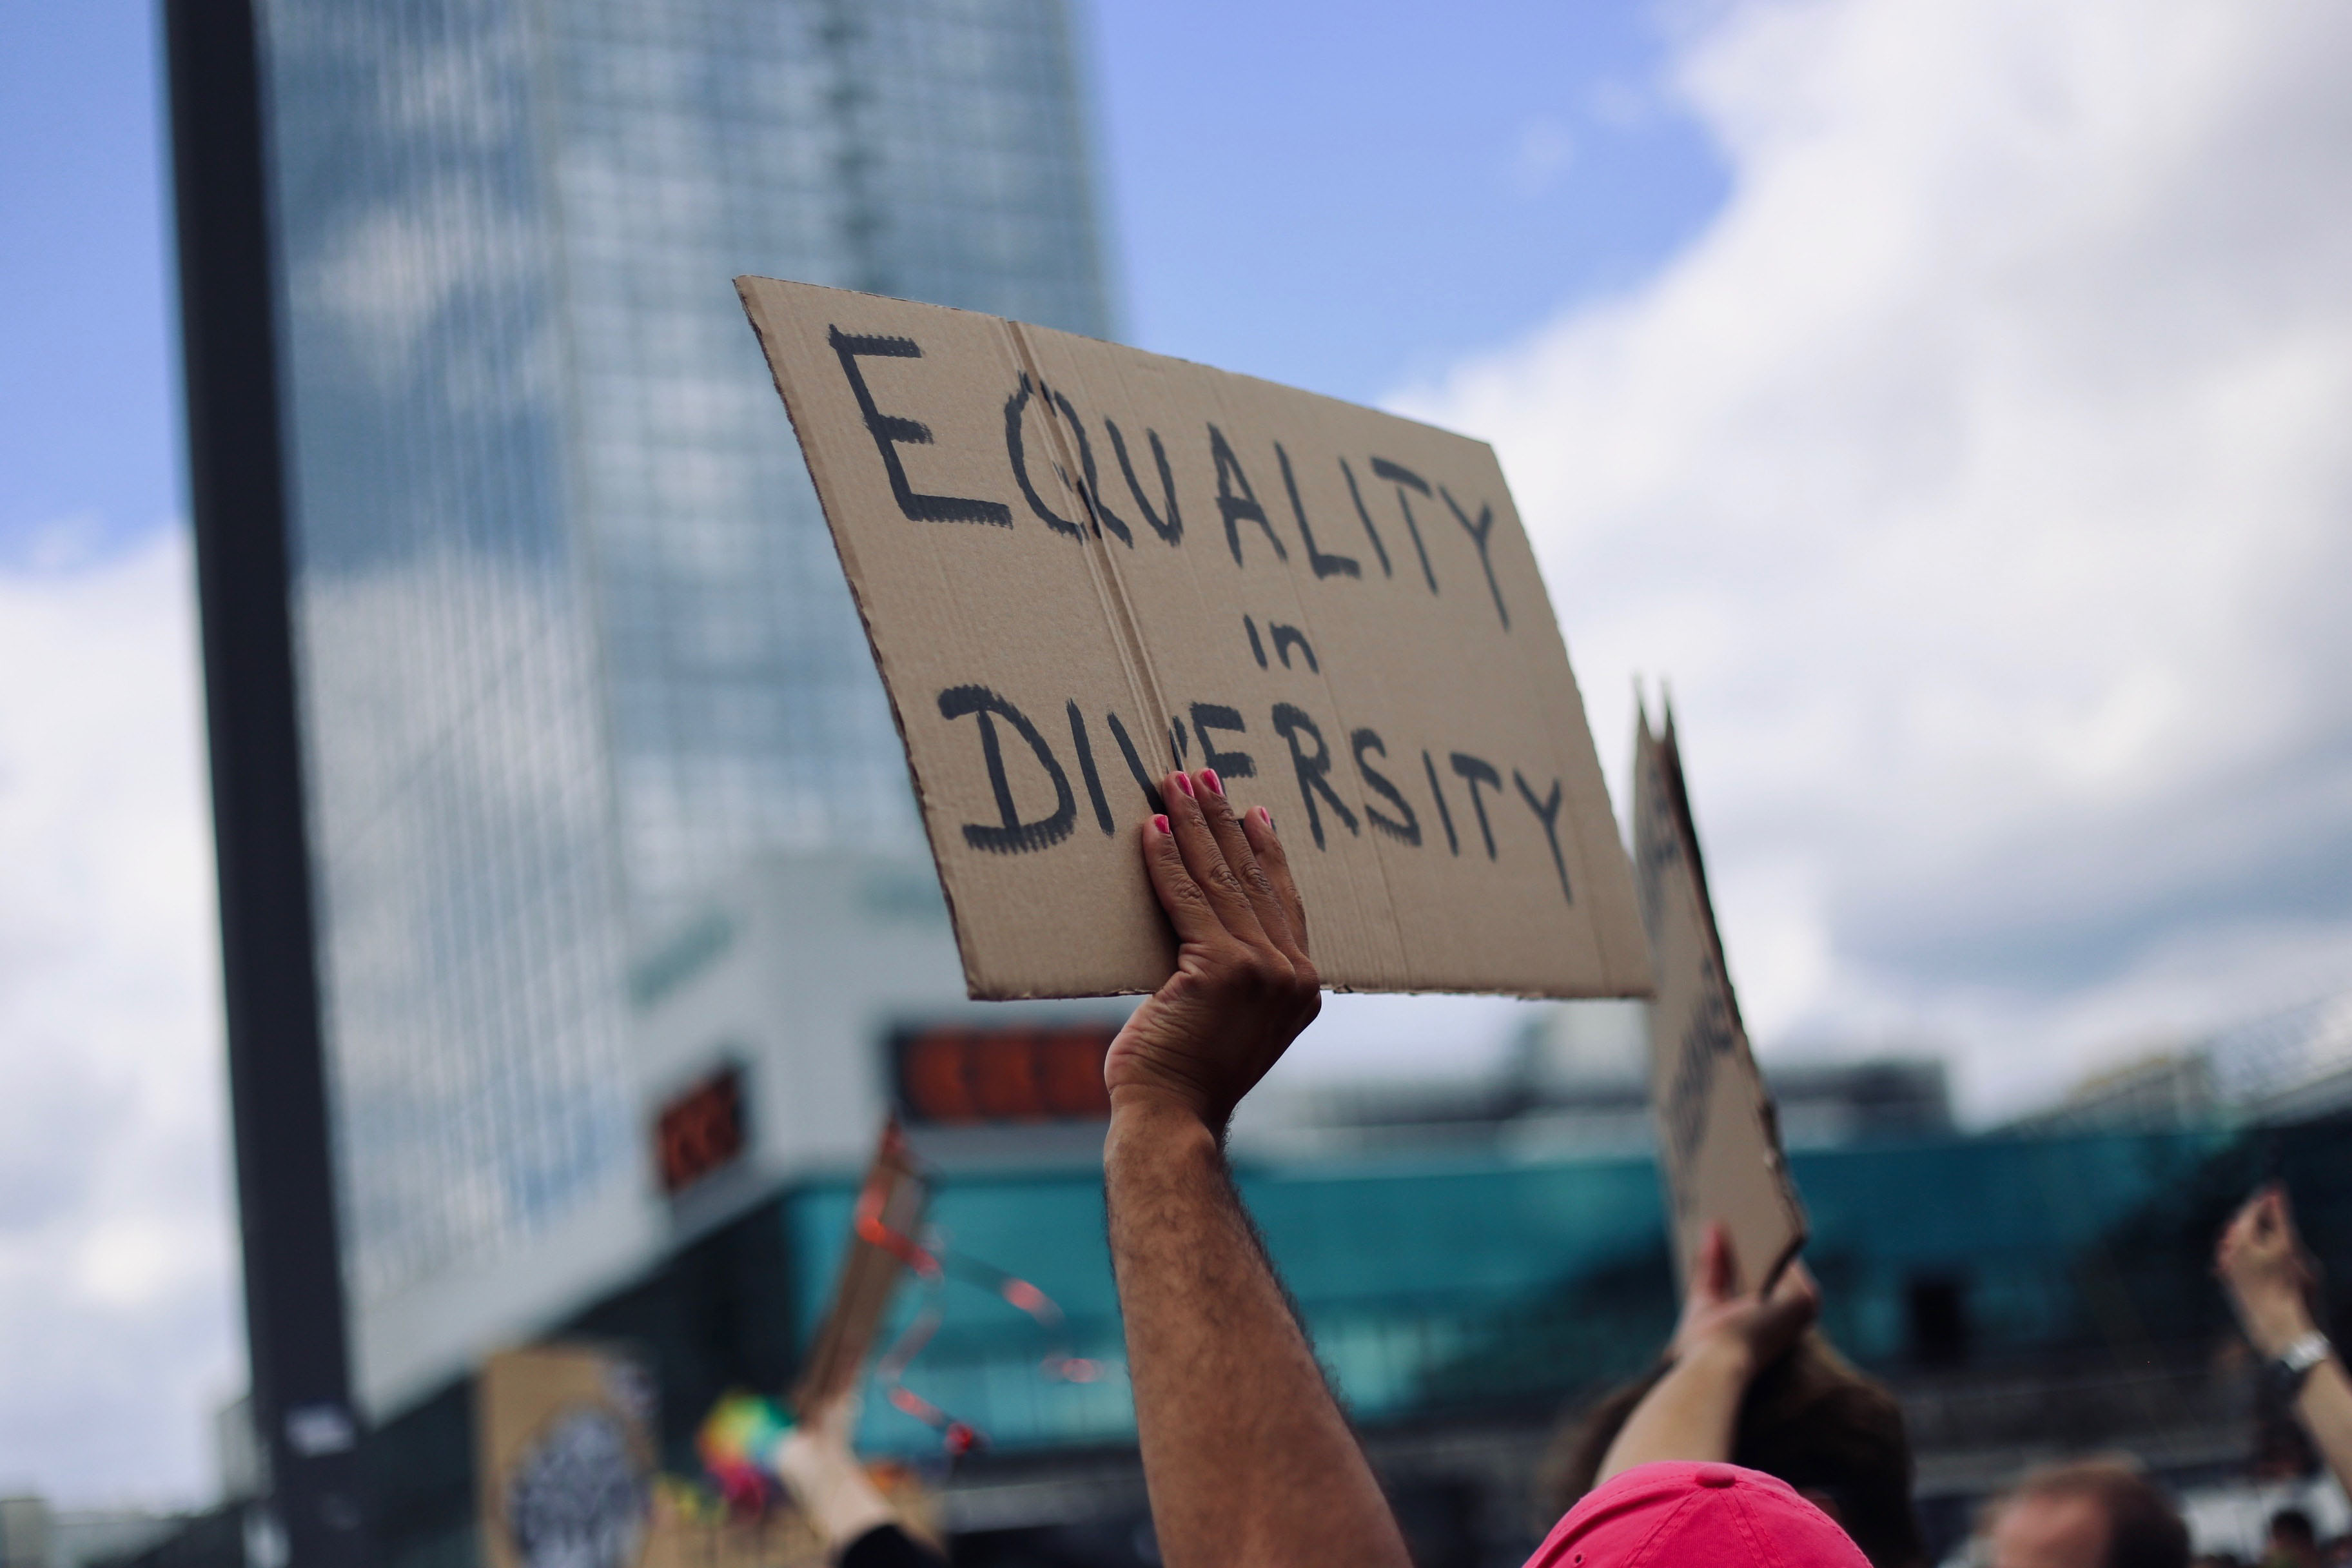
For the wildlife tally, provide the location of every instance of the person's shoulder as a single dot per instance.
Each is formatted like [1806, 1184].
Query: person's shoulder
[1676, 1512]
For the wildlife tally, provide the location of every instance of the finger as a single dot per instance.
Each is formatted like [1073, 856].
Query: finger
[1275, 861]
[1711, 1269]
[1796, 1302]
[1242, 856]
[1797, 1277]
[1197, 844]
[1188, 907]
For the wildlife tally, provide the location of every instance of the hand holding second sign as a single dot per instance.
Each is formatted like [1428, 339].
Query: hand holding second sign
[1244, 986]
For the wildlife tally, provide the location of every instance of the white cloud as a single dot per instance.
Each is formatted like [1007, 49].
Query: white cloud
[1980, 479]
[118, 1308]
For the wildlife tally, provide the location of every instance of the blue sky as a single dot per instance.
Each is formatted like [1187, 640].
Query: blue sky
[1343, 198]
[1349, 198]
[86, 407]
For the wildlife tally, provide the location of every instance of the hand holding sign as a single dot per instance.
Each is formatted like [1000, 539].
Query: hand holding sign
[1244, 986]
[1080, 566]
[1752, 1327]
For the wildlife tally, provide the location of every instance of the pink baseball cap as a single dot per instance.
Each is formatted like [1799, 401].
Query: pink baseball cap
[1670, 1514]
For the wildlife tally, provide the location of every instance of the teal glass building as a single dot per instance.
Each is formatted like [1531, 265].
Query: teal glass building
[571, 638]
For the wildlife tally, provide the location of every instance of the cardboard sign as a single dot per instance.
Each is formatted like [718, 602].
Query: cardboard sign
[564, 1446]
[1719, 1139]
[1081, 565]
[889, 1215]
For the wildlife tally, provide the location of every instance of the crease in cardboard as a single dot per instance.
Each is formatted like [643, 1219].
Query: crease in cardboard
[1110, 587]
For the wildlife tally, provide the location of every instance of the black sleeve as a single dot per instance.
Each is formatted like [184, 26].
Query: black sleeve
[888, 1546]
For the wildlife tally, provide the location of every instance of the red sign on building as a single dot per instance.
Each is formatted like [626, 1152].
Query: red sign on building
[954, 1076]
[701, 1132]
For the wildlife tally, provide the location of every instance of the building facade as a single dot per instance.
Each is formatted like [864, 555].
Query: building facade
[571, 643]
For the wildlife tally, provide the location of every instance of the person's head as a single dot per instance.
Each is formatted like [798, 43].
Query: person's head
[1679, 1512]
[2092, 1513]
[2292, 1536]
[1811, 1420]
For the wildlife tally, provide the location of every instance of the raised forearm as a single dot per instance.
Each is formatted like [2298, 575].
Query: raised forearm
[1692, 1413]
[2325, 1406]
[1247, 1457]
[2275, 1314]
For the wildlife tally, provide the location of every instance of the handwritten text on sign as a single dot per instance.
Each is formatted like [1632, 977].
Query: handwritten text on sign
[1080, 565]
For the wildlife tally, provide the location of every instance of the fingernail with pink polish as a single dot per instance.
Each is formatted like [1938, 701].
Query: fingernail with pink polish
[1160, 822]
[1209, 776]
[1184, 783]
[1268, 817]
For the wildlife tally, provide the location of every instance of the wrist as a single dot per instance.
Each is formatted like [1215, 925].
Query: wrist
[2274, 1324]
[1151, 1110]
[1719, 1358]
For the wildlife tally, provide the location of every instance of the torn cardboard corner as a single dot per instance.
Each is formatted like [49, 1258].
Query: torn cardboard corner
[1081, 566]
[1719, 1139]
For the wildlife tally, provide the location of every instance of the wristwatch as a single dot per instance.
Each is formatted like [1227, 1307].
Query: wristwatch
[2291, 1366]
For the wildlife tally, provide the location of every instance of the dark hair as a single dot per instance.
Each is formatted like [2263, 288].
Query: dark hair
[1809, 1419]
[2294, 1524]
[2144, 1530]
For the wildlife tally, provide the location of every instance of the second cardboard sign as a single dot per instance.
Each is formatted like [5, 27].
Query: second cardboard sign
[1718, 1137]
[1081, 565]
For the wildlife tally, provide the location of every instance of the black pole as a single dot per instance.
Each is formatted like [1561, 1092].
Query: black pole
[294, 1309]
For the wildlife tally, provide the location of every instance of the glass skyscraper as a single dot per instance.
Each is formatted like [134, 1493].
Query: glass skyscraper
[571, 640]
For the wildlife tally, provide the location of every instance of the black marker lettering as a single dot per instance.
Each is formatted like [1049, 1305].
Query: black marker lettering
[1086, 770]
[1453, 842]
[1091, 491]
[1313, 772]
[1235, 508]
[1177, 743]
[1479, 533]
[1478, 772]
[1548, 813]
[1010, 835]
[1172, 531]
[890, 432]
[1404, 479]
[1257, 648]
[1405, 832]
[1013, 407]
[1208, 716]
[1143, 780]
[1288, 637]
[1365, 517]
[1325, 565]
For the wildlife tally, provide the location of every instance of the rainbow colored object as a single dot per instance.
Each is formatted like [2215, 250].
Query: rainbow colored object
[738, 1442]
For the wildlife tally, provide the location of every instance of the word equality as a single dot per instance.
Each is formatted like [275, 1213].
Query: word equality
[1156, 507]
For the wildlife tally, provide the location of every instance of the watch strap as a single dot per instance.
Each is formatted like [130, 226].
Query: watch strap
[2297, 1360]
